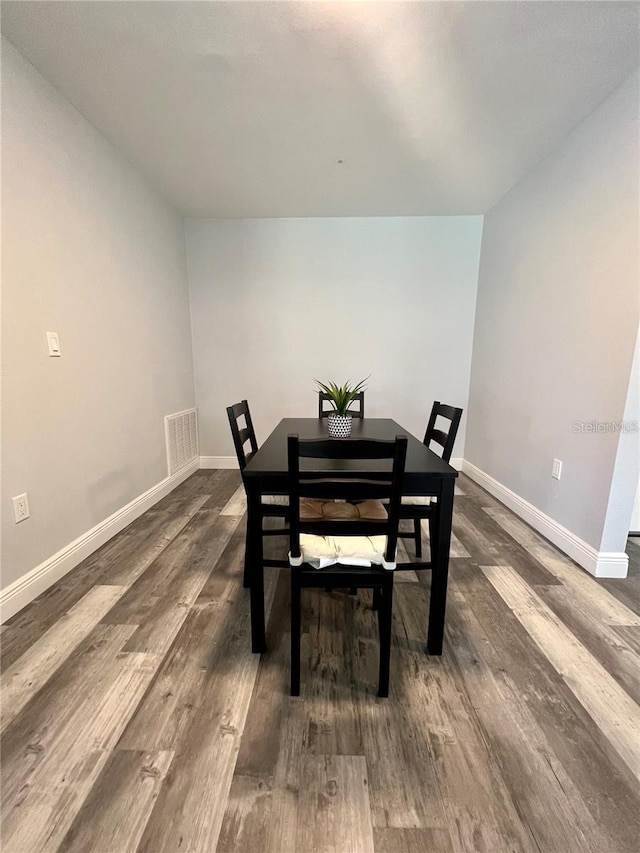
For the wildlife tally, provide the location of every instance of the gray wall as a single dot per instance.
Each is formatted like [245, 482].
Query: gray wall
[557, 318]
[90, 252]
[278, 302]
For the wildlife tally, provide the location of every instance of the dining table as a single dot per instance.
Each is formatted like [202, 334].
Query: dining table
[426, 474]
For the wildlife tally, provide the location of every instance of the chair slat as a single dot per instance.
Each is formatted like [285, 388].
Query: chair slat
[324, 412]
[345, 527]
[439, 437]
[345, 448]
[357, 491]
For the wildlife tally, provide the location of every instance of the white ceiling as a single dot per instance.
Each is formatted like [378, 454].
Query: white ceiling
[244, 109]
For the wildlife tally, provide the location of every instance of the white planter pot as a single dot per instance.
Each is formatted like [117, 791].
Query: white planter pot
[339, 425]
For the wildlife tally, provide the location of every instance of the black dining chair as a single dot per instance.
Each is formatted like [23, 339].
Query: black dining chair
[416, 507]
[324, 411]
[272, 506]
[341, 534]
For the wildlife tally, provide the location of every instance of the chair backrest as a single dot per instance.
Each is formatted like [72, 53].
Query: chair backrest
[444, 438]
[384, 483]
[242, 435]
[324, 411]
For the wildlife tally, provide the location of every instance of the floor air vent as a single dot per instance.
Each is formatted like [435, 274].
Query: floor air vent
[181, 433]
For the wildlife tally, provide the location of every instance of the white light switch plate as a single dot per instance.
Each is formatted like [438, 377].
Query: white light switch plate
[54, 344]
[556, 471]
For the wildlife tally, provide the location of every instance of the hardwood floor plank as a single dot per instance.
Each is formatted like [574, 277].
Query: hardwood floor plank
[189, 811]
[260, 746]
[117, 563]
[160, 600]
[27, 626]
[479, 810]
[457, 548]
[116, 812]
[475, 543]
[403, 785]
[326, 674]
[237, 503]
[616, 714]
[40, 817]
[29, 738]
[247, 816]
[510, 550]
[605, 642]
[576, 740]
[283, 824]
[31, 671]
[222, 487]
[218, 484]
[334, 814]
[393, 840]
[601, 603]
[480, 496]
[544, 794]
[629, 634]
[201, 647]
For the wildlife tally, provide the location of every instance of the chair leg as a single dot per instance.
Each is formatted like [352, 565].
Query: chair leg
[295, 633]
[353, 590]
[385, 620]
[417, 533]
[376, 598]
[245, 573]
[433, 536]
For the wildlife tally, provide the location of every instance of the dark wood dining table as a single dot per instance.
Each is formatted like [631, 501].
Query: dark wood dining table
[425, 474]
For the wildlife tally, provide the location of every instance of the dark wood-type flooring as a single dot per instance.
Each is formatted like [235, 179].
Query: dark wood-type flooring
[135, 718]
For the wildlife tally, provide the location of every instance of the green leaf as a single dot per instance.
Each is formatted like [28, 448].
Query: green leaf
[341, 396]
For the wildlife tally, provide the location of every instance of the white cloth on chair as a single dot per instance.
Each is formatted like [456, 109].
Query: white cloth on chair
[417, 500]
[276, 500]
[324, 551]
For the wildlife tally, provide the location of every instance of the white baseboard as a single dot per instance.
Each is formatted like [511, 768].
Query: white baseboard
[456, 463]
[218, 462]
[601, 564]
[18, 594]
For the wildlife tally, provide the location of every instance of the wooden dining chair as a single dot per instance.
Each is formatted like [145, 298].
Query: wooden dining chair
[417, 508]
[272, 506]
[341, 534]
[324, 411]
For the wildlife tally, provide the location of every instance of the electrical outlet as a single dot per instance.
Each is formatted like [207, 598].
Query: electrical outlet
[556, 471]
[21, 507]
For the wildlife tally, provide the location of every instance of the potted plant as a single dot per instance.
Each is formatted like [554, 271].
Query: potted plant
[340, 397]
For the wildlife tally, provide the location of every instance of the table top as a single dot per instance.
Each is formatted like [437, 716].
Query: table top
[271, 459]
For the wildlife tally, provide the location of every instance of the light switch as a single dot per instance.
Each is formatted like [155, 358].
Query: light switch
[54, 343]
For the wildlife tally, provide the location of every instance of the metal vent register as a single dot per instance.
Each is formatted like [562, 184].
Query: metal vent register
[181, 434]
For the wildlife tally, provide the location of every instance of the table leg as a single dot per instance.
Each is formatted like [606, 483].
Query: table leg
[440, 567]
[255, 570]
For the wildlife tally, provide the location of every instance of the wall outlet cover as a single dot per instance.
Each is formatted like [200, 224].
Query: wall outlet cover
[21, 508]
